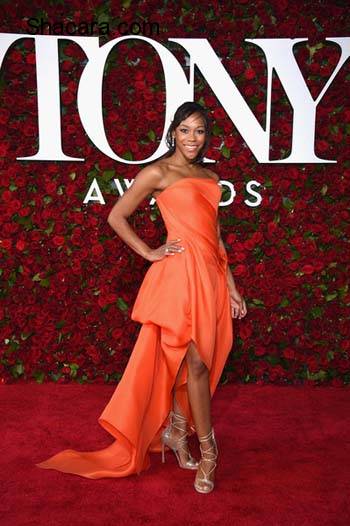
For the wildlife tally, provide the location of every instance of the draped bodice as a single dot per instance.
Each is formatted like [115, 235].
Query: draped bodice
[189, 208]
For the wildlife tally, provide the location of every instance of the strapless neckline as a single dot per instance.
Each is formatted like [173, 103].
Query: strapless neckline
[187, 179]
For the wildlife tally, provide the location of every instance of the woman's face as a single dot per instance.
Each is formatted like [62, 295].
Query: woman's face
[190, 136]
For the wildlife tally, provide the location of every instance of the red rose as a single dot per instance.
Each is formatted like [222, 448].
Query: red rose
[249, 74]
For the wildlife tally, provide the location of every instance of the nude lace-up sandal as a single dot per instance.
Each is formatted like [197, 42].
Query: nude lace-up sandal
[203, 484]
[177, 444]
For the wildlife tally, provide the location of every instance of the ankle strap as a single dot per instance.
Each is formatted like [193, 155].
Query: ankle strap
[208, 436]
[178, 421]
[178, 416]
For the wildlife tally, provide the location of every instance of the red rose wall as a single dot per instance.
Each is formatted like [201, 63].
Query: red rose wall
[68, 282]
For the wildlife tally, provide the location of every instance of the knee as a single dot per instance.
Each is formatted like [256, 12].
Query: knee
[195, 365]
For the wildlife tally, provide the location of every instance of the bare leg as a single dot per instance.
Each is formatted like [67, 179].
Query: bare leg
[198, 391]
[199, 396]
[178, 432]
[176, 407]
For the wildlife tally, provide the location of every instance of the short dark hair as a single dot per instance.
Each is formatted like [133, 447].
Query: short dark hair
[185, 110]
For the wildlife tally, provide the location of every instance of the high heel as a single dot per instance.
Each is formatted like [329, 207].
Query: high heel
[177, 444]
[204, 485]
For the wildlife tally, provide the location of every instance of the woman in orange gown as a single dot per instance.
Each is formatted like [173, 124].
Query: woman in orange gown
[185, 305]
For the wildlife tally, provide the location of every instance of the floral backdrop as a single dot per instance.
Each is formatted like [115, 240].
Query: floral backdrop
[68, 282]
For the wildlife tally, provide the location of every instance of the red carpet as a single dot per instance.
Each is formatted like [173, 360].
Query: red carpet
[284, 460]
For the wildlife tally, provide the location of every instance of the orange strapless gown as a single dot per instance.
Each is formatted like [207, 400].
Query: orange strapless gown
[182, 298]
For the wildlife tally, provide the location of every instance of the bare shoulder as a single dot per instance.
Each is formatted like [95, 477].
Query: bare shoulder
[212, 174]
[145, 182]
[150, 175]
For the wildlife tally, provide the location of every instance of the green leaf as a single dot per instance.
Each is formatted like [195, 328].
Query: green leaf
[332, 296]
[73, 369]
[17, 370]
[128, 156]
[288, 203]
[285, 302]
[343, 291]
[121, 304]
[273, 360]
[45, 282]
[108, 175]
[50, 228]
[256, 22]
[316, 312]
[39, 376]
[313, 49]
[256, 301]
[151, 135]
[216, 130]
[209, 14]
[320, 375]
[226, 152]
[92, 174]
[103, 18]
[296, 253]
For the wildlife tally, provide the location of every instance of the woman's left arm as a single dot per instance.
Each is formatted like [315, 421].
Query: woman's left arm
[238, 305]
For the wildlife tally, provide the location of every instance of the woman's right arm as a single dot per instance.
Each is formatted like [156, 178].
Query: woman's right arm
[146, 181]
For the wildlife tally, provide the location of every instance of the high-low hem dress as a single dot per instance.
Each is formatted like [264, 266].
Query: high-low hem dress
[182, 298]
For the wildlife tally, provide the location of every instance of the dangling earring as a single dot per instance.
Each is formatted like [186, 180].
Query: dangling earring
[172, 142]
